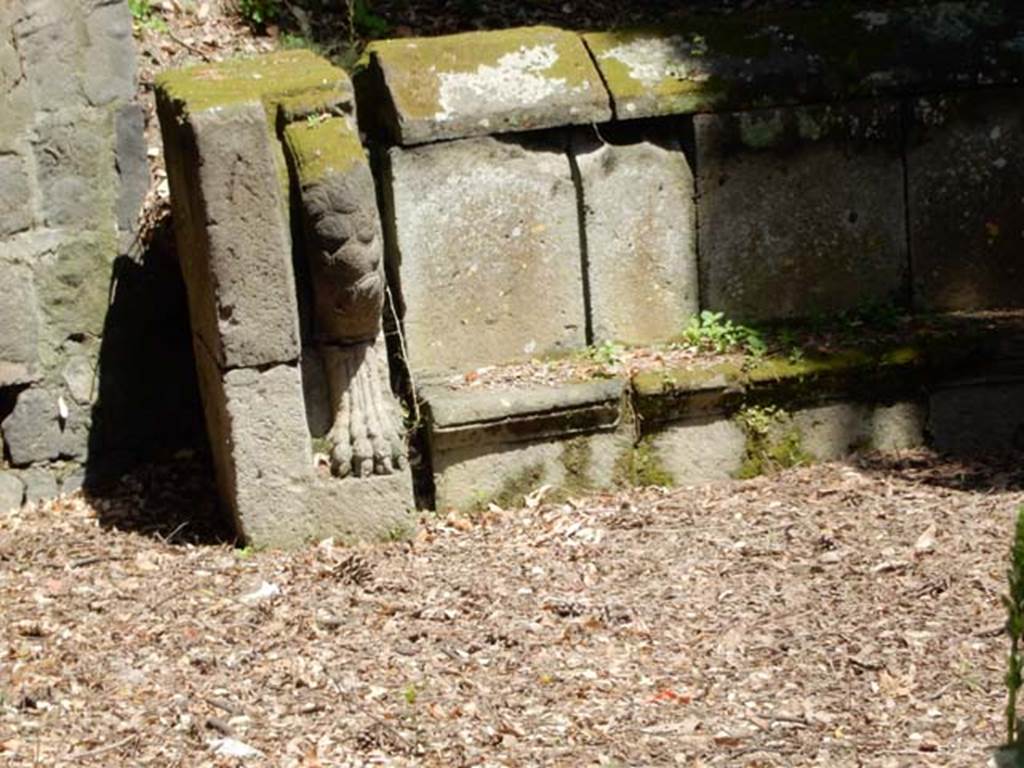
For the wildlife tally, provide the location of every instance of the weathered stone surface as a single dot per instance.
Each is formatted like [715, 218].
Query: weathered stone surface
[40, 485]
[826, 51]
[965, 176]
[801, 210]
[50, 35]
[12, 491]
[297, 82]
[700, 452]
[36, 431]
[484, 83]
[73, 480]
[72, 283]
[641, 237]
[132, 166]
[473, 476]
[977, 418]
[261, 448]
[378, 508]
[32, 430]
[15, 195]
[16, 106]
[233, 237]
[19, 317]
[75, 167]
[487, 251]
[109, 52]
[834, 431]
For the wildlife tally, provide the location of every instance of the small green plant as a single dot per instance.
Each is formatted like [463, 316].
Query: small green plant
[1014, 602]
[363, 22]
[259, 13]
[409, 694]
[607, 353]
[773, 443]
[712, 332]
[145, 16]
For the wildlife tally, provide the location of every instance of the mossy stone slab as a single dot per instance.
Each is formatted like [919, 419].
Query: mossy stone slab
[485, 82]
[833, 51]
[299, 80]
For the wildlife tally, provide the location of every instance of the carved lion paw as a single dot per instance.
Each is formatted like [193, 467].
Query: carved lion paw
[366, 436]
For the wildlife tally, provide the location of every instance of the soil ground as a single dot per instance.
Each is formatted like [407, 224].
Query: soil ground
[839, 615]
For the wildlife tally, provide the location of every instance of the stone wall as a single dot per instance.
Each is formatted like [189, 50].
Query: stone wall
[73, 174]
[540, 192]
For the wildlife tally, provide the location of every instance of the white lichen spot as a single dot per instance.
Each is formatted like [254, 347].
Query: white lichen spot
[996, 133]
[872, 19]
[517, 78]
[652, 60]
[999, 162]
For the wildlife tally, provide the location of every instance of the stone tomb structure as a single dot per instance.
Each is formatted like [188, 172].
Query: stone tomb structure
[541, 192]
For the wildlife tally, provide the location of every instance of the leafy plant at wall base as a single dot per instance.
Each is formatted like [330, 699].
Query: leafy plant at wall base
[1014, 603]
[712, 332]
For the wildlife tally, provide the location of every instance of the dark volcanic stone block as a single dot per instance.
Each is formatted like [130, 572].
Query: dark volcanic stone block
[800, 211]
[965, 175]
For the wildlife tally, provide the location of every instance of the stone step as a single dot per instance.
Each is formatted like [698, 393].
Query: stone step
[955, 382]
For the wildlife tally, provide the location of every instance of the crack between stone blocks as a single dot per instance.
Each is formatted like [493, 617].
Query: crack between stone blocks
[581, 221]
[607, 89]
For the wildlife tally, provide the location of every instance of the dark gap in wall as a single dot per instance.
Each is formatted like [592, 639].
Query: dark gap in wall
[578, 140]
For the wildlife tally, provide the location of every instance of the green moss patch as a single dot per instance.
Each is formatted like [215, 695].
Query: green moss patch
[298, 78]
[641, 466]
[319, 146]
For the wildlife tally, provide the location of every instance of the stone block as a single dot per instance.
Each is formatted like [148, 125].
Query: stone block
[108, 53]
[74, 153]
[801, 211]
[261, 446]
[12, 491]
[72, 279]
[40, 485]
[51, 36]
[484, 83]
[486, 251]
[970, 419]
[472, 476]
[19, 317]
[709, 450]
[376, 508]
[965, 176]
[36, 431]
[15, 195]
[295, 83]
[834, 431]
[807, 53]
[233, 234]
[641, 238]
[132, 165]
[16, 106]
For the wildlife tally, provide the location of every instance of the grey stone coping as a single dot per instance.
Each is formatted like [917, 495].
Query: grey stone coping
[482, 83]
[836, 51]
[458, 417]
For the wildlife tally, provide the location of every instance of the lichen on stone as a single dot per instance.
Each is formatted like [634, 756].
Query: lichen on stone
[321, 145]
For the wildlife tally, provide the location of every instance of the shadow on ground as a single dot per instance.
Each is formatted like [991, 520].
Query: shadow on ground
[982, 474]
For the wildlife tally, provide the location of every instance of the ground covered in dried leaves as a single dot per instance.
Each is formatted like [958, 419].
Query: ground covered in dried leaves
[840, 615]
